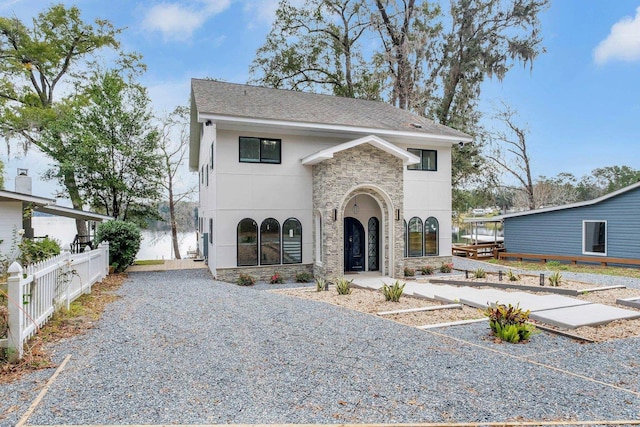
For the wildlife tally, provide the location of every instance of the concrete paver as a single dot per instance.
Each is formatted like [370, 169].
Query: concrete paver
[589, 315]
[557, 310]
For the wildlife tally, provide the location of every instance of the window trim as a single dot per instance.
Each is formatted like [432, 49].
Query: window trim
[260, 242]
[257, 243]
[437, 233]
[606, 237]
[282, 241]
[260, 159]
[421, 155]
[409, 255]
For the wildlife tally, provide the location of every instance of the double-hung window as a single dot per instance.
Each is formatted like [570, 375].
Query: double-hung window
[260, 150]
[428, 160]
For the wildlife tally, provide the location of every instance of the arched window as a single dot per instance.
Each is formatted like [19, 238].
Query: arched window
[415, 236]
[373, 230]
[247, 236]
[404, 236]
[291, 241]
[431, 236]
[269, 242]
[319, 239]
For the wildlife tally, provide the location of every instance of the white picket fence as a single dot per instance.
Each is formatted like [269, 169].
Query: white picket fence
[35, 293]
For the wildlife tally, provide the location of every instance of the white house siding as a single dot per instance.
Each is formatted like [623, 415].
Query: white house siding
[428, 193]
[10, 222]
[207, 183]
[260, 191]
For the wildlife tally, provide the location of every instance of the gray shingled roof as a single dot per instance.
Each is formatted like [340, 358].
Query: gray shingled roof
[244, 101]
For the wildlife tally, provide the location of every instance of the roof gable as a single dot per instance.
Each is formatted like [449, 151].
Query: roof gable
[328, 153]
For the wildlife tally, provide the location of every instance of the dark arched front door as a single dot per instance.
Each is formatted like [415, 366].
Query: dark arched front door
[353, 245]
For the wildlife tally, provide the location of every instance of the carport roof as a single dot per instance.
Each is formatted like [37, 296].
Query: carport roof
[45, 205]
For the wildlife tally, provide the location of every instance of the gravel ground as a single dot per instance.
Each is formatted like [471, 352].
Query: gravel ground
[597, 279]
[181, 348]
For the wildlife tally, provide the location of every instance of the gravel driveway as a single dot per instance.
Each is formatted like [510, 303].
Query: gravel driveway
[179, 348]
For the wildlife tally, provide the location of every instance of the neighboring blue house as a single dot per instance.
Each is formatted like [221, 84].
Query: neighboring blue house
[607, 226]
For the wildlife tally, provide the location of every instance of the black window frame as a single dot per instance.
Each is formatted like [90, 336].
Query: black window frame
[421, 153]
[411, 254]
[260, 159]
[429, 221]
[254, 225]
[299, 240]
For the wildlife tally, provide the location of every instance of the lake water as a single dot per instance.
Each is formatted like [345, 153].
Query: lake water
[154, 245]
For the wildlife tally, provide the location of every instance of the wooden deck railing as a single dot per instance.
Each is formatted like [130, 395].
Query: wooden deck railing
[482, 251]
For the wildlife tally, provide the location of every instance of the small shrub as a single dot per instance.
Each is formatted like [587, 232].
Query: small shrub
[509, 323]
[409, 272]
[343, 286]
[276, 279]
[512, 276]
[479, 274]
[427, 270]
[246, 280]
[33, 251]
[446, 267]
[304, 277]
[394, 292]
[124, 242]
[320, 284]
[555, 279]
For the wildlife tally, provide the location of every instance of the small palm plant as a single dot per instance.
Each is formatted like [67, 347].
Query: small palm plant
[343, 286]
[394, 292]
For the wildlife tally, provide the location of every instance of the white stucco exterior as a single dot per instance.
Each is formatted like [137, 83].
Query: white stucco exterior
[232, 190]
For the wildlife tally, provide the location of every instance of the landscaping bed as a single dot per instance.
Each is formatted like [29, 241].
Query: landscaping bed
[373, 302]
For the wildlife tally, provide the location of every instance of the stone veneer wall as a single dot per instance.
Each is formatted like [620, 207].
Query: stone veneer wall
[434, 261]
[359, 170]
[264, 272]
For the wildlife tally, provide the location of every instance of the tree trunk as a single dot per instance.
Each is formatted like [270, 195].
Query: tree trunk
[174, 224]
[76, 202]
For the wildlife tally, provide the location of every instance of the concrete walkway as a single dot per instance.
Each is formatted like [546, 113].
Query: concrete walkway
[556, 310]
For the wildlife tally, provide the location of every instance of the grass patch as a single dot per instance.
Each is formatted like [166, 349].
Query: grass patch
[579, 268]
[81, 316]
[148, 262]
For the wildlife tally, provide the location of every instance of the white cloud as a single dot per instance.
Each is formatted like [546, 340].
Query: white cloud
[622, 43]
[260, 11]
[177, 21]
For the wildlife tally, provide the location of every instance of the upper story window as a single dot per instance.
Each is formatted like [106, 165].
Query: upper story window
[428, 160]
[260, 150]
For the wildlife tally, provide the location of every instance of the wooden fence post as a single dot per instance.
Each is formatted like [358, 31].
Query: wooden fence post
[16, 319]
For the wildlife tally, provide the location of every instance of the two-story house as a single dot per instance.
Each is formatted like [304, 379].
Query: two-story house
[293, 181]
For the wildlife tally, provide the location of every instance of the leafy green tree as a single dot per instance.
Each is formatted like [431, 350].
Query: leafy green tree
[57, 48]
[317, 47]
[1, 175]
[429, 62]
[112, 147]
[612, 178]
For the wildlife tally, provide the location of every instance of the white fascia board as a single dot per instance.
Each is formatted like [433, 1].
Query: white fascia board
[336, 128]
[4, 194]
[73, 213]
[407, 157]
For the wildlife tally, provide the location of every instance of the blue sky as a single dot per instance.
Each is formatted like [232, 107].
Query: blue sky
[581, 101]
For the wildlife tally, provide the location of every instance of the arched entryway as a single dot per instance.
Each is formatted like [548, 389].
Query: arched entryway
[363, 233]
